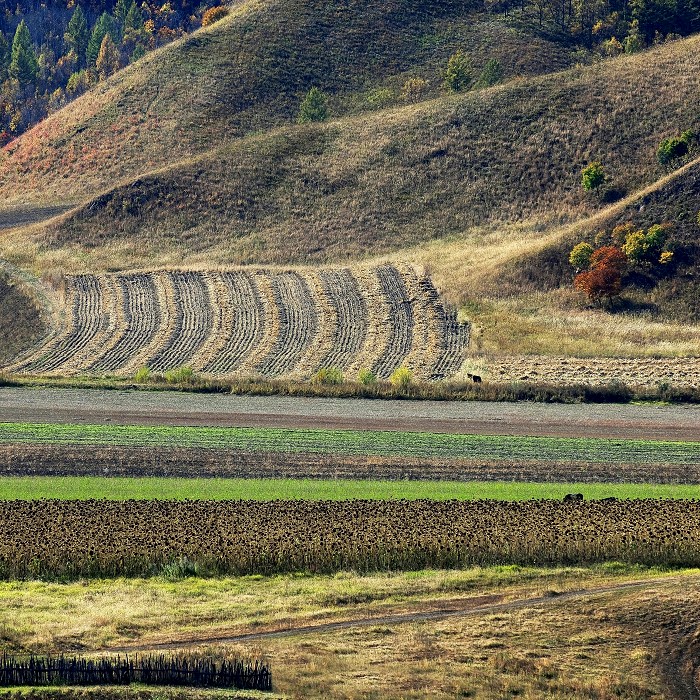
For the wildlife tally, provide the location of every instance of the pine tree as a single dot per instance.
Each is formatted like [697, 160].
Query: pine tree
[103, 26]
[314, 107]
[134, 18]
[77, 34]
[24, 65]
[121, 9]
[4, 57]
[108, 58]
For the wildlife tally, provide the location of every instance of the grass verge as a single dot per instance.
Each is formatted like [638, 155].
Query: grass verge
[120, 489]
[615, 392]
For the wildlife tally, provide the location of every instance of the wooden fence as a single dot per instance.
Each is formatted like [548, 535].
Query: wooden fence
[147, 669]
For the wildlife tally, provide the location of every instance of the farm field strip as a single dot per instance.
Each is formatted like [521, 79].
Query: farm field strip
[354, 442]
[215, 489]
[277, 324]
[98, 538]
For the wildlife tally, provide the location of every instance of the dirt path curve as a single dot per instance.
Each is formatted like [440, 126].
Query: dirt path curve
[481, 605]
[456, 417]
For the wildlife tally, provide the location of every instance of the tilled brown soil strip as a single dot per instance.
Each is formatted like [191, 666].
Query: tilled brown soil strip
[90, 460]
[481, 605]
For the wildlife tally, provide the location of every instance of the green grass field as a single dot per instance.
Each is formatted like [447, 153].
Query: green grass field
[82, 488]
[352, 442]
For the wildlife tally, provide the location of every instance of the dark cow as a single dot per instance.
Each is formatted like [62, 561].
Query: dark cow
[474, 377]
[572, 497]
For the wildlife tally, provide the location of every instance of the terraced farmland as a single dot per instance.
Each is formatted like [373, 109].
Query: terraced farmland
[255, 322]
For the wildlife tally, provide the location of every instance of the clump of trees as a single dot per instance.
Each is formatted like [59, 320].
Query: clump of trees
[52, 52]
[600, 271]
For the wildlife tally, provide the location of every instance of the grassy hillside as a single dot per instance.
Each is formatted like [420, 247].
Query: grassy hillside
[248, 73]
[381, 182]
[673, 293]
[19, 313]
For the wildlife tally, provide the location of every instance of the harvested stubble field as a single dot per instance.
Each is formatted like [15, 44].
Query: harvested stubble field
[360, 443]
[255, 322]
[632, 371]
[95, 538]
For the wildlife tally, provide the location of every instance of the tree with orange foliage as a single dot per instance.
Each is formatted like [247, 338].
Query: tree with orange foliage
[604, 278]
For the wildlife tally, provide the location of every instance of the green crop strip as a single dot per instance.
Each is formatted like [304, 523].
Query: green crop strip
[352, 442]
[120, 489]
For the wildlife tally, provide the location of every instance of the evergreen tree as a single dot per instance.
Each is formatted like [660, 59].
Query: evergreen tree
[103, 26]
[4, 57]
[107, 61]
[314, 107]
[77, 34]
[24, 66]
[458, 74]
[134, 18]
[121, 10]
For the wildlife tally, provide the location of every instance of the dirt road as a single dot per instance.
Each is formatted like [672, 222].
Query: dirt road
[460, 607]
[173, 408]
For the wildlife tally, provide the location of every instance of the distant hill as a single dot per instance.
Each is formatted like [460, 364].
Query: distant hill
[384, 181]
[248, 73]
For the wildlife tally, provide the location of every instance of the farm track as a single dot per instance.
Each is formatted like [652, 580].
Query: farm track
[275, 324]
[439, 610]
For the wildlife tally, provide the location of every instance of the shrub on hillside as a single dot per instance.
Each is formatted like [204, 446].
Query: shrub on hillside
[401, 378]
[414, 89]
[181, 375]
[328, 376]
[593, 176]
[214, 14]
[646, 247]
[580, 256]
[604, 278]
[675, 147]
[314, 107]
[492, 74]
[143, 374]
[458, 74]
[367, 377]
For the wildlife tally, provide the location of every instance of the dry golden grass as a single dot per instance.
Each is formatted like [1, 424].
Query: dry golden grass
[612, 645]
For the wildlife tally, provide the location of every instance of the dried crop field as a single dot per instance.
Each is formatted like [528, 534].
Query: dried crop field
[112, 538]
[255, 322]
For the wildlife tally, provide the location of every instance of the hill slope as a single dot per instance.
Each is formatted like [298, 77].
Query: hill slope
[393, 179]
[249, 72]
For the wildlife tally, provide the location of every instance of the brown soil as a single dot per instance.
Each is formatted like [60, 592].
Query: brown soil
[87, 460]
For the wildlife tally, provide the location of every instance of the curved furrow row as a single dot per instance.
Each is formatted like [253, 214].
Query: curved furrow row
[246, 324]
[376, 338]
[326, 334]
[344, 295]
[297, 324]
[143, 317]
[193, 322]
[399, 324]
[109, 327]
[454, 336]
[87, 319]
